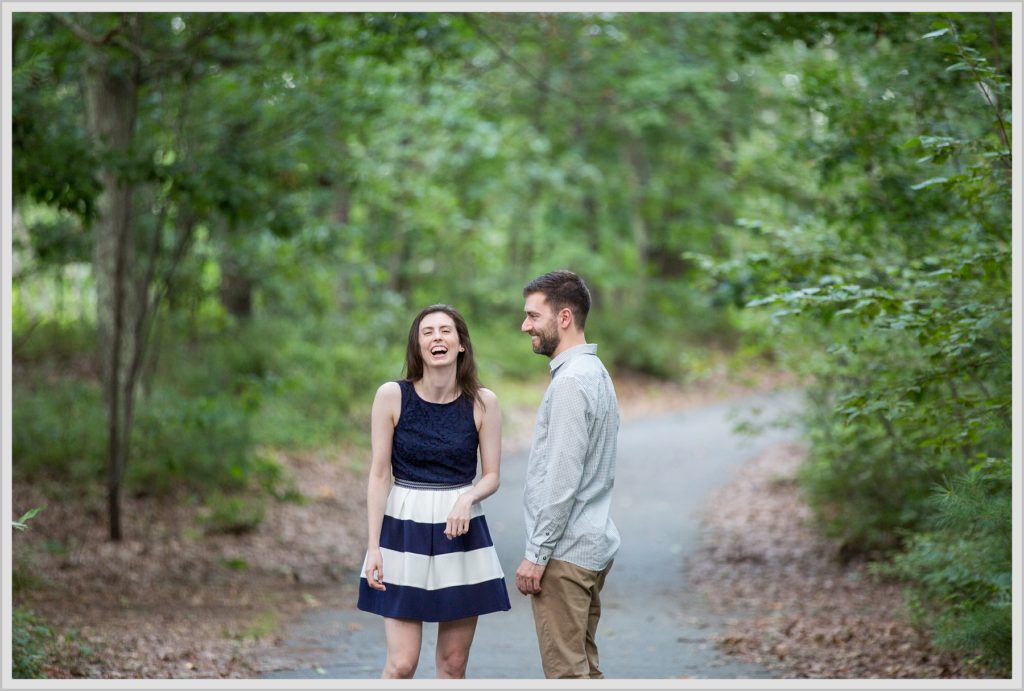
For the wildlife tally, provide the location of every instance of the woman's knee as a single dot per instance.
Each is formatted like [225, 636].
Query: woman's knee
[400, 666]
[451, 663]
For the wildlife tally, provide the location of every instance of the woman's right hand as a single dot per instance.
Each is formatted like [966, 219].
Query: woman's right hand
[375, 569]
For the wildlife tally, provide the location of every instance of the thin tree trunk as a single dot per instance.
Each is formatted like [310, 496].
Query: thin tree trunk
[341, 213]
[637, 179]
[236, 288]
[112, 98]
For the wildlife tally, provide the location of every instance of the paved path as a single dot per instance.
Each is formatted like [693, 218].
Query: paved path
[653, 627]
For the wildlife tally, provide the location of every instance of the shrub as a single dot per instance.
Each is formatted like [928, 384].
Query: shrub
[199, 443]
[58, 430]
[29, 639]
[325, 373]
[234, 514]
[902, 280]
[960, 571]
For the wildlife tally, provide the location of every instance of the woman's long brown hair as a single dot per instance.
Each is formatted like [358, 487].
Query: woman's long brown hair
[465, 371]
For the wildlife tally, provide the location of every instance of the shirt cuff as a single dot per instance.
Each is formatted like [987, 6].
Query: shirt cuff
[538, 555]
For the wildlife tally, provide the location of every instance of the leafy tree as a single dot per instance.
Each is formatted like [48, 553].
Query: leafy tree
[170, 156]
[897, 273]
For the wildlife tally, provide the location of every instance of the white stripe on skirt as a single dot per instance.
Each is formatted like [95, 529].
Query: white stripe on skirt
[441, 571]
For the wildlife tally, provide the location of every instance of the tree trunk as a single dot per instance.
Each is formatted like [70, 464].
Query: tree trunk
[112, 93]
[636, 178]
[341, 215]
[236, 288]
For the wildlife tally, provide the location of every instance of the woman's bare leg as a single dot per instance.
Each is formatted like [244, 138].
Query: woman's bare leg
[453, 641]
[404, 639]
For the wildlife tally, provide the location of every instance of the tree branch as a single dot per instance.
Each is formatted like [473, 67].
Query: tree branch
[538, 83]
[81, 33]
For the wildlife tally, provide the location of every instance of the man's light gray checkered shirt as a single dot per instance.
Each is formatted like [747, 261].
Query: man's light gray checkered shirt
[571, 469]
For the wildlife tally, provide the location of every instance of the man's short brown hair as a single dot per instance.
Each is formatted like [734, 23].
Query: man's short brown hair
[563, 289]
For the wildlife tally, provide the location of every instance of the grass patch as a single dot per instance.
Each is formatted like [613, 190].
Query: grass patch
[232, 514]
[261, 626]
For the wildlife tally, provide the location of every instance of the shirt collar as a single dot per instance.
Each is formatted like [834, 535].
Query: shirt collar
[566, 355]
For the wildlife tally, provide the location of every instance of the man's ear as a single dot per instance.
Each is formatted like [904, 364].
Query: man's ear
[565, 317]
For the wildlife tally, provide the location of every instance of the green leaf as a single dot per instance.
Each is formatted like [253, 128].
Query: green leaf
[928, 183]
[763, 301]
[30, 514]
[936, 34]
[22, 523]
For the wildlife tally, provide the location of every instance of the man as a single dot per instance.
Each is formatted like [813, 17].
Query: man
[570, 537]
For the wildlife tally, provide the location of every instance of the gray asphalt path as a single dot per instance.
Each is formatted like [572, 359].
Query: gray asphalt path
[653, 626]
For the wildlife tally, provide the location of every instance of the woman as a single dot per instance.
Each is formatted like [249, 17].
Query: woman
[429, 554]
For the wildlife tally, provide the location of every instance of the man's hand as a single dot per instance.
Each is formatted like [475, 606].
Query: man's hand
[528, 577]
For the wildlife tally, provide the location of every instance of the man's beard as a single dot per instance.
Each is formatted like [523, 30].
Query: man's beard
[547, 342]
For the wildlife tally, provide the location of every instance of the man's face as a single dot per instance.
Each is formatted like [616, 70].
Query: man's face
[541, 325]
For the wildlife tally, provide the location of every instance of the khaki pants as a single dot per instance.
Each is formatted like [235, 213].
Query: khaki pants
[566, 613]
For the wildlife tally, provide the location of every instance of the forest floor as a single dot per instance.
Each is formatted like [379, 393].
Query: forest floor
[171, 601]
[796, 606]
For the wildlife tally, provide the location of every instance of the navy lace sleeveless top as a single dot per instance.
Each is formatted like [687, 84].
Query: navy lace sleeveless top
[434, 442]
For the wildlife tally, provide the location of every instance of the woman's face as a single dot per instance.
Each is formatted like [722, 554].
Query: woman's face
[439, 341]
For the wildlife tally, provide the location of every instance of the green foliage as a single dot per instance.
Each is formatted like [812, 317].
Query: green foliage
[48, 122]
[323, 380]
[193, 443]
[22, 523]
[30, 637]
[58, 431]
[181, 443]
[261, 626]
[503, 352]
[386, 164]
[232, 513]
[29, 634]
[51, 344]
[24, 574]
[960, 568]
[897, 281]
[235, 564]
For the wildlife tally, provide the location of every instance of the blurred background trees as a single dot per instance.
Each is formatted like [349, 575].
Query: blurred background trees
[224, 222]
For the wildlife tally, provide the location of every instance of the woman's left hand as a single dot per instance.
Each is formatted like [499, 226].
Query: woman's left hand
[458, 519]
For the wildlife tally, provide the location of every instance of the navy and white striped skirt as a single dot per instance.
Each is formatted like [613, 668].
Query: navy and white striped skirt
[429, 577]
